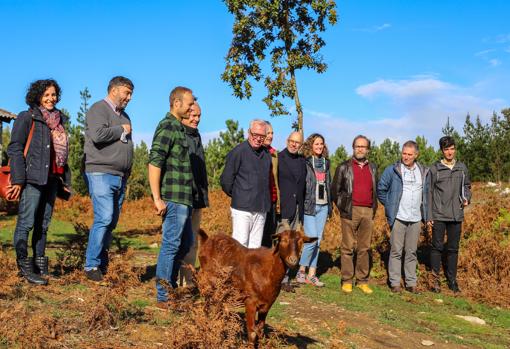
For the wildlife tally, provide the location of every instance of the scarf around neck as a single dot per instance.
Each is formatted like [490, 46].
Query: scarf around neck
[58, 135]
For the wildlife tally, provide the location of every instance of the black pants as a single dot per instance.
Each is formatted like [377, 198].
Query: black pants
[452, 230]
[269, 227]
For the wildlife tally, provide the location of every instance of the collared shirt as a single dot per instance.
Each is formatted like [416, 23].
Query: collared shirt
[409, 209]
[116, 110]
[112, 105]
[169, 152]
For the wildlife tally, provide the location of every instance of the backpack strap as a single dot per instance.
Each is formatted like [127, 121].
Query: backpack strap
[29, 139]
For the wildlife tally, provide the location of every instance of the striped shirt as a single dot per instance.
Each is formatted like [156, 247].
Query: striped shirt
[169, 152]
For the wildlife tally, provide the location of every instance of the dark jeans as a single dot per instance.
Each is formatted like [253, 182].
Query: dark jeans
[269, 227]
[452, 230]
[35, 210]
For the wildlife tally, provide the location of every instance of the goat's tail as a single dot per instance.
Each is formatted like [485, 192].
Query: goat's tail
[202, 236]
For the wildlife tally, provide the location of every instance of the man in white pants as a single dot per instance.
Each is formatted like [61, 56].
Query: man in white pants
[246, 179]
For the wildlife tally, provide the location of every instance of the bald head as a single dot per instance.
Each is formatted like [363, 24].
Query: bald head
[294, 142]
[194, 116]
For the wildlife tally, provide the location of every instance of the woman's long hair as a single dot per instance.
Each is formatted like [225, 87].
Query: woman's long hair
[308, 146]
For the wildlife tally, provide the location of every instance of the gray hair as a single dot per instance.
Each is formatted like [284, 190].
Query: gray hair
[411, 144]
[259, 122]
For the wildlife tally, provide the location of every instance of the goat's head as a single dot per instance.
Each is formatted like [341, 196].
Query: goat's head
[289, 244]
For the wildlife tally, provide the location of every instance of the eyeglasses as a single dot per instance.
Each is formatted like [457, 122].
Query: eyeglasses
[360, 147]
[291, 141]
[258, 136]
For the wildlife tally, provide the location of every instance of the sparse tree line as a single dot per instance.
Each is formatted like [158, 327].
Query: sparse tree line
[483, 147]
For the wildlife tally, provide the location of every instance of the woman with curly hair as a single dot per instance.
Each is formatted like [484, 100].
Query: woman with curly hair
[37, 177]
[317, 205]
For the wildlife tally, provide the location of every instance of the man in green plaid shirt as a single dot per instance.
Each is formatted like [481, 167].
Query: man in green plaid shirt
[171, 182]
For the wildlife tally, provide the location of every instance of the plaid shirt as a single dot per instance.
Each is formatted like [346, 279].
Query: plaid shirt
[169, 152]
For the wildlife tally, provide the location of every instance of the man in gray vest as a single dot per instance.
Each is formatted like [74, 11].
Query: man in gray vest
[108, 160]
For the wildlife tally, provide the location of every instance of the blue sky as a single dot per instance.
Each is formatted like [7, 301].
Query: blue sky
[397, 69]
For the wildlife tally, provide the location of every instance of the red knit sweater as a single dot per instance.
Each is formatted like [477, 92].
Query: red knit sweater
[362, 191]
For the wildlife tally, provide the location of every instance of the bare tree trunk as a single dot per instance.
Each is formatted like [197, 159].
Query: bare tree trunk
[299, 109]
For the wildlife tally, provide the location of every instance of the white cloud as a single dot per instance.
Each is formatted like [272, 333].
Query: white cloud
[494, 62]
[502, 39]
[417, 106]
[208, 136]
[374, 29]
[403, 88]
[484, 52]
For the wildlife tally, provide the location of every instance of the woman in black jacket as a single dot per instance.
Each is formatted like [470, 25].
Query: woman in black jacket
[36, 178]
[317, 205]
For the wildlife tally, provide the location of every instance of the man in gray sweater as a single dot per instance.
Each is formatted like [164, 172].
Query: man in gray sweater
[108, 160]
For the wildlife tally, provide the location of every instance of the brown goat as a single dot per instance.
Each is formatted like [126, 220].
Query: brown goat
[256, 273]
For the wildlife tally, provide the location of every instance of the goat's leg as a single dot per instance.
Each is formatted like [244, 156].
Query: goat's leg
[251, 311]
[261, 323]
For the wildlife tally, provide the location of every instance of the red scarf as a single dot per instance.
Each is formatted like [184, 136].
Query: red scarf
[58, 135]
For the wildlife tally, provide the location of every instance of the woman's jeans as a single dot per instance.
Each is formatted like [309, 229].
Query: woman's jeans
[107, 194]
[176, 241]
[35, 210]
[314, 226]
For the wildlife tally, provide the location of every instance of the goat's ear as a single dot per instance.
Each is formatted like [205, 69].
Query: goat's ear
[202, 236]
[276, 246]
[306, 238]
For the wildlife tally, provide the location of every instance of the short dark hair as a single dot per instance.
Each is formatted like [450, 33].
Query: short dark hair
[120, 81]
[177, 94]
[36, 91]
[446, 142]
[361, 137]
[410, 144]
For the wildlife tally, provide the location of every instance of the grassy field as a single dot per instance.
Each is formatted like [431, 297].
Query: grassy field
[120, 313]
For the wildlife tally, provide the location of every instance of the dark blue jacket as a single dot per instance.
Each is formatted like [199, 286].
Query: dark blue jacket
[292, 187]
[245, 178]
[390, 188]
[35, 168]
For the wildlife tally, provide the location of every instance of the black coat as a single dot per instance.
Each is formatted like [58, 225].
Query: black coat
[245, 178]
[197, 160]
[35, 168]
[292, 187]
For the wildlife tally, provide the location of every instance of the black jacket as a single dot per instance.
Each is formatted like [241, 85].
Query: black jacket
[35, 168]
[245, 178]
[341, 188]
[311, 188]
[448, 189]
[198, 168]
[292, 188]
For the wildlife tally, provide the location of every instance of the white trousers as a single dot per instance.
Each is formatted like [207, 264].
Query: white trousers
[248, 227]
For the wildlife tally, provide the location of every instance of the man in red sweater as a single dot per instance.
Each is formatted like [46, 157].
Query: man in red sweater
[354, 192]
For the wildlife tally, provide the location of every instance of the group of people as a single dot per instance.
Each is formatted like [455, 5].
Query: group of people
[270, 191]
[38, 153]
[301, 194]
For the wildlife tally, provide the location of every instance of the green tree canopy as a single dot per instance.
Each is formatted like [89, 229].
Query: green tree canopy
[217, 149]
[286, 30]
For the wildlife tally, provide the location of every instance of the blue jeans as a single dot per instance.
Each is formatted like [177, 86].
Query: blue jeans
[107, 194]
[35, 210]
[314, 226]
[176, 242]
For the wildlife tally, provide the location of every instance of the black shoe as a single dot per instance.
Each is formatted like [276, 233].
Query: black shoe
[26, 269]
[41, 266]
[287, 287]
[454, 286]
[412, 289]
[396, 289]
[94, 274]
